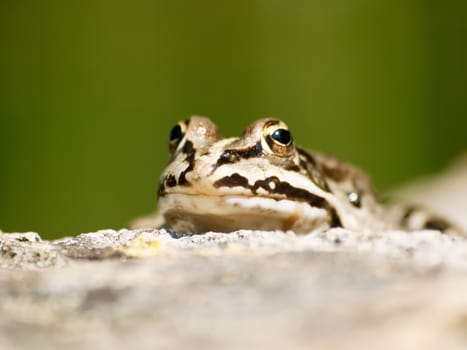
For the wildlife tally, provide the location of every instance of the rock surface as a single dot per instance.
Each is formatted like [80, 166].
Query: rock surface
[153, 289]
[248, 289]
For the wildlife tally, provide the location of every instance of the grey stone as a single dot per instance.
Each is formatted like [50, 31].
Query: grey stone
[156, 290]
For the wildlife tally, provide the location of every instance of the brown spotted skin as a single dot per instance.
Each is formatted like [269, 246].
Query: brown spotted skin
[262, 180]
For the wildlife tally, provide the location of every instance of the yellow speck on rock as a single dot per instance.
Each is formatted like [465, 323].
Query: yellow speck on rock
[139, 248]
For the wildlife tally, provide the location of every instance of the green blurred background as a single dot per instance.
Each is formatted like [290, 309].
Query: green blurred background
[90, 89]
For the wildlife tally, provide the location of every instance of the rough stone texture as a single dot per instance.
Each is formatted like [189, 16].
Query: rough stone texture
[151, 289]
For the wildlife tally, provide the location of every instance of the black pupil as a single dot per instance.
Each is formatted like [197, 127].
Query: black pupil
[282, 136]
[175, 133]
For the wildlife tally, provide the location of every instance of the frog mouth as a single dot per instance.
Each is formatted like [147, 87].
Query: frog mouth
[196, 213]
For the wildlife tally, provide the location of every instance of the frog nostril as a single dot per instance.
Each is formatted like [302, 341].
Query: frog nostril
[225, 156]
[228, 156]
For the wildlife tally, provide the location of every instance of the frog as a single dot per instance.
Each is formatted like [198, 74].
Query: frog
[263, 180]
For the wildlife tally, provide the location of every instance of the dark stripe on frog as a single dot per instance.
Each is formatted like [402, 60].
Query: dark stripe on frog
[437, 224]
[309, 158]
[434, 223]
[170, 180]
[283, 188]
[161, 190]
[293, 167]
[234, 180]
[272, 122]
[408, 213]
[309, 164]
[230, 156]
[190, 151]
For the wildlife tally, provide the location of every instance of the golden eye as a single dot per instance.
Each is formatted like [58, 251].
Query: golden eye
[176, 134]
[278, 138]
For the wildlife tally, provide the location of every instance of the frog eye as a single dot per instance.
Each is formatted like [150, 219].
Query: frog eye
[282, 136]
[278, 138]
[176, 134]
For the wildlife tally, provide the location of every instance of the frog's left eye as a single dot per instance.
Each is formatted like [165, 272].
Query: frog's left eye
[278, 138]
[176, 135]
[282, 136]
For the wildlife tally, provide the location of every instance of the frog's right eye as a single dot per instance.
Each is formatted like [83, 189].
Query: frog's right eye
[176, 135]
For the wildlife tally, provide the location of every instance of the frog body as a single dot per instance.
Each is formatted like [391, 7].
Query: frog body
[262, 180]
